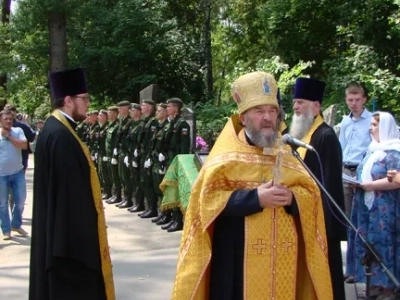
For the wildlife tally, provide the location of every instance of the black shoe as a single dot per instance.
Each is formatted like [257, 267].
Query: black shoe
[175, 227]
[155, 220]
[168, 225]
[121, 203]
[111, 199]
[115, 200]
[164, 220]
[142, 213]
[136, 208]
[125, 205]
[150, 214]
[106, 196]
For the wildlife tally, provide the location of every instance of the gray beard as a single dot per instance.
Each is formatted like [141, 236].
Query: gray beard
[301, 125]
[259, 139]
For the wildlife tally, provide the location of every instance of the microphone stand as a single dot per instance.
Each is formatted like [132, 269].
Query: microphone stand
[372, 255]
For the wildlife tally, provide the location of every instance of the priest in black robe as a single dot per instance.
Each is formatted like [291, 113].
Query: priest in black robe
[254, 227]
[308, 125]
[69, 251]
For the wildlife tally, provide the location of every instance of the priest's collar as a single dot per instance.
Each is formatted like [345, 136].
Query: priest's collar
[248, 139]
[67, 116]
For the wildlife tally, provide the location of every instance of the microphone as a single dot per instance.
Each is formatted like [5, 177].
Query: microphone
[292, 142]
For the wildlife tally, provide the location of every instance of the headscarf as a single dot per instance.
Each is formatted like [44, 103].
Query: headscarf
[388, 140]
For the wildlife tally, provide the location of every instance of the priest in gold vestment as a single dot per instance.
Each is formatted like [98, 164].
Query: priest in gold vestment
[254, 227]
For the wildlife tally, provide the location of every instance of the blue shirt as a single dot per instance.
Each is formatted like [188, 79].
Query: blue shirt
[30, 136]
[10, 156]
[355, 137]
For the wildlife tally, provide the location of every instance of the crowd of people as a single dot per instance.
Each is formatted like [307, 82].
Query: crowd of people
[255, 214]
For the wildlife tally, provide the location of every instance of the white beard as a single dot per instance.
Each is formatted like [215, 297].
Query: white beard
[301, 124]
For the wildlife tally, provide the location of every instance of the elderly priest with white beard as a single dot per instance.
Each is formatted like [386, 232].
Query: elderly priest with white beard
[308, 126]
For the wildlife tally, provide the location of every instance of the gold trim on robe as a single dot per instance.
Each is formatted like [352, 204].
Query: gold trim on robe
[98, 203]
[285, 257]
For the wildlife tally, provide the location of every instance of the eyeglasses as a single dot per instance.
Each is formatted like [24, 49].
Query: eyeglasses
[85, 98]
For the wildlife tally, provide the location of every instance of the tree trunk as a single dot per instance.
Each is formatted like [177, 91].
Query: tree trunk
[57, 40]
[207, 50]
[5, 19]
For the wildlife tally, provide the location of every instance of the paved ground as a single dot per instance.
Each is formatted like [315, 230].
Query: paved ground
[144, 257]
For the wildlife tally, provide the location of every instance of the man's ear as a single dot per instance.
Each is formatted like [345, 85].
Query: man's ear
[242, 120]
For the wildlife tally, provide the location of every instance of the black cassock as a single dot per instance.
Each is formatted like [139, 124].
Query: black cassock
[326, 143]
[65, 255]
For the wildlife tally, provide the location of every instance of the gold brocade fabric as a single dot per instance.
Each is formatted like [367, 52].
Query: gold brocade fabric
[101, 222]
[285, 257]
[317, 122]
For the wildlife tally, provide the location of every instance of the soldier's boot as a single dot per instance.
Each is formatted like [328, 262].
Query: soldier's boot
[123, 201]
[117, 198]
[168, 225]
[158, 218]
[127, 203]
[139, 206]
[152, 212]
[166, 218]
[107, 195]
[178, 224]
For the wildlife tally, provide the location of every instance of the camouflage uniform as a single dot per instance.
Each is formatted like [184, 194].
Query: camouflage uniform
[104, 168]
[123, 148]
[111, 144]
[133, 141]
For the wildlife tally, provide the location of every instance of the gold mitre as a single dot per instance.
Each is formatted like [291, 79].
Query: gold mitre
[254, 89]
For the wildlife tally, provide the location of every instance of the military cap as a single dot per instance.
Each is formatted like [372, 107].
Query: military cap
[309, 89]
[123, 103]
[175, 101]
[113, 108]
[39, 121]
[88, 114]
[149, 101]
[254, 89]
[67, 83]
[94, 112]
[103, 111]
[136, 106]
[163, 105]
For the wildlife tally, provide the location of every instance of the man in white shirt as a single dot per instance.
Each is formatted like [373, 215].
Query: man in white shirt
[12, 141]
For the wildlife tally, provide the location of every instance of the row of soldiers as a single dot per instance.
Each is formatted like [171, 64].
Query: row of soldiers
[132, 146]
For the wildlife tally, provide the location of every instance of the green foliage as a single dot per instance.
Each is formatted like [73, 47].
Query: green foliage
[360, 64]
[211, 119]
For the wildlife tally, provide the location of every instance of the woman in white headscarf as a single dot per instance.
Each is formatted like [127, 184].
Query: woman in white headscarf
[376, 207]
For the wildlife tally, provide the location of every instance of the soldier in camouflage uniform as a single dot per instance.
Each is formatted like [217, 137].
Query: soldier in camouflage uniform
[112, 154]
[124, 165]
[82, 128]
[134, 159]
[104, 170]
[178, 142]
[157, 155]
[93, 136]
[146, 179]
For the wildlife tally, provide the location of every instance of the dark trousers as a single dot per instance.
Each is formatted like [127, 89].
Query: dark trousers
[335, 268]
[125, 176]
[148, 189]
[115, 178]
[136, 186]
[106, 176]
